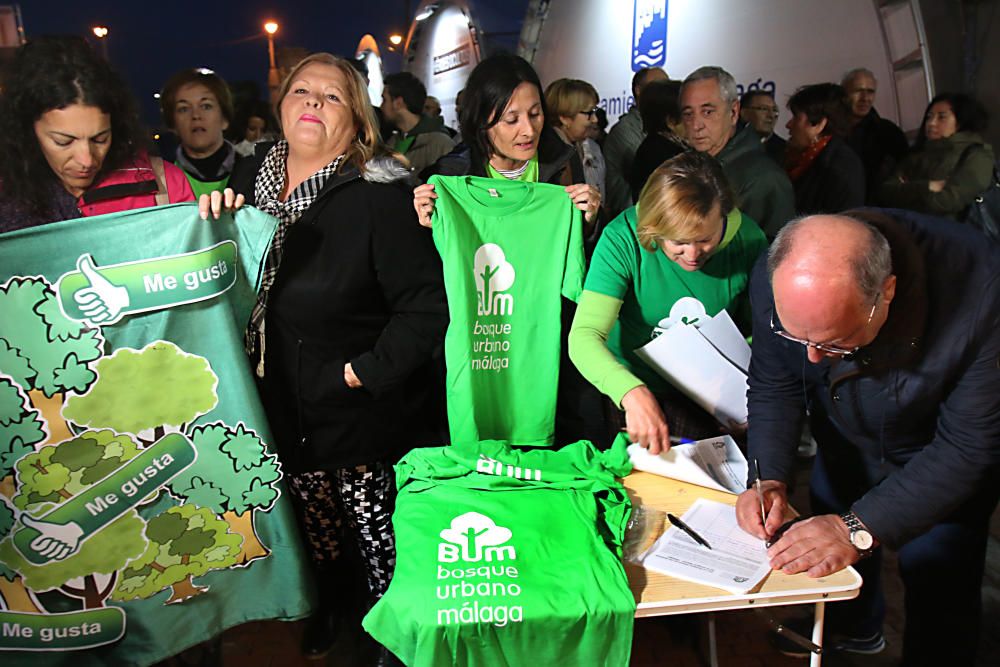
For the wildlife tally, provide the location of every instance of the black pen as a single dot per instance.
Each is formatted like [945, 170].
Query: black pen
[687, 529]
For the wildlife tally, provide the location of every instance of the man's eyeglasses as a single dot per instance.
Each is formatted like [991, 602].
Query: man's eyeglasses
[768, 110]
[823, 347]
[590, 113]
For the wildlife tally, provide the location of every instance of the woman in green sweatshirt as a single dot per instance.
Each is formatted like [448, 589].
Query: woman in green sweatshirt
[683, 253]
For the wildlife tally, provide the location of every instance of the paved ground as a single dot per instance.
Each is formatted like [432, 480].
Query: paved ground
[659, 642]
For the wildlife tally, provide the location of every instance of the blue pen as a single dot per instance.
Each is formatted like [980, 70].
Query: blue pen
[680, 441]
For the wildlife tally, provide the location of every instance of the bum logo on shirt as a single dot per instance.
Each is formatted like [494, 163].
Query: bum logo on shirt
[686, 310]
[486, 591]
[491, 337]
[475, 537]
[494, 275]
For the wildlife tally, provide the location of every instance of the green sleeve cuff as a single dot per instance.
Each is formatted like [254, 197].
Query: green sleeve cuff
[588, 346]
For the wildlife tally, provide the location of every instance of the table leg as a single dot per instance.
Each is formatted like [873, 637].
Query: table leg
[713, 648]
[817, 636]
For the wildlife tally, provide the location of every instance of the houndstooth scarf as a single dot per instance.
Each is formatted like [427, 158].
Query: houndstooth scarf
[267, 191]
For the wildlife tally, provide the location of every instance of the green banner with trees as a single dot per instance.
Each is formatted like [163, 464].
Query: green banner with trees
[137, 482]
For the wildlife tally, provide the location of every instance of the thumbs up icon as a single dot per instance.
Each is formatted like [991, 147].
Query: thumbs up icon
[102, 302]
[55, 541]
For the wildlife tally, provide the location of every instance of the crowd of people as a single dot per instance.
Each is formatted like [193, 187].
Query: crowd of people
[879, 326]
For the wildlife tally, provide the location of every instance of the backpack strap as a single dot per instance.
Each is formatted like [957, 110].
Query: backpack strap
[162, 197]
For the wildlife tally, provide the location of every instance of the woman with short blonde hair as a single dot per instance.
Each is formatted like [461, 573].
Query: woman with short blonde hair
[572, 107]
[678, 199]
[678, 258]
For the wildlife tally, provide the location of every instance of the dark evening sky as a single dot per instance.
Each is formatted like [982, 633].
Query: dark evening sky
[149, 41]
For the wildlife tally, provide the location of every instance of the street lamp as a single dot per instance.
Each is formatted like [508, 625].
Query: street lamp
[101, 33]
[395, 39]
[270, 28]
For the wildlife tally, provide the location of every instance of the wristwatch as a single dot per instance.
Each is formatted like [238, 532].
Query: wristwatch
[860, 537]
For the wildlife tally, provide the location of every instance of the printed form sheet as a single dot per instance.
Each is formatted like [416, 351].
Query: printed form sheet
[737, 561]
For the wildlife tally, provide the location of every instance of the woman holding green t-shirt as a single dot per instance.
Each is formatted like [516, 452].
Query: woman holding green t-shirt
[684, 252]
[504, 136]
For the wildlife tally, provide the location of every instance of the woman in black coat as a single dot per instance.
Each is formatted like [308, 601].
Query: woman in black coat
[661, 120]
[350, 309]
[826, 173]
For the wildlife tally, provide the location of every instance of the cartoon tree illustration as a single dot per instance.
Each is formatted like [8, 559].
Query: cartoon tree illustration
[184, 542]
[53, 475]
[21, 426]
[43, 351]
[244, 478]
[147, 390]
[12, 590]
[493, 274]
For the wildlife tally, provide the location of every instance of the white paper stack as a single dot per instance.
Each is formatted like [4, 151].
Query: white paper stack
[708, 362]
[715, 463]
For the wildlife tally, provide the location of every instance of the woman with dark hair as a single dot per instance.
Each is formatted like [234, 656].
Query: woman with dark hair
[502, 122]
[828, 176]
[351, 307]
[661, 121]
[950, 164]
[70, 140]
[197, 106]
[256, 123]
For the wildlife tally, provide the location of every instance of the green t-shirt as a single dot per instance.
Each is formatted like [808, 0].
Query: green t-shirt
[206, 187]
[656, 292]
[509, 557]
[510, 251]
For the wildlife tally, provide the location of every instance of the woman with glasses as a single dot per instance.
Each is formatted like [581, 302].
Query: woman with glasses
[573, 111]
[826, 173]
[683, 254]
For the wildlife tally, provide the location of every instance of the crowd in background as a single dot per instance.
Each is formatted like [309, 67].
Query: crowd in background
[693, 170]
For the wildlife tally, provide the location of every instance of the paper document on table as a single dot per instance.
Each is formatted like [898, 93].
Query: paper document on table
[737, 561]
[715, 463]
[687, 359]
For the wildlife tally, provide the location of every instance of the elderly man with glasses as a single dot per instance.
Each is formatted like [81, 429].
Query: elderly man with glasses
[759, 110]
[883, 327]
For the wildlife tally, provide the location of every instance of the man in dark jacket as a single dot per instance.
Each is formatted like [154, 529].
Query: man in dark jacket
[710, 109]
[759, 110]
[878, 141]
[882, 327]
[420, 138]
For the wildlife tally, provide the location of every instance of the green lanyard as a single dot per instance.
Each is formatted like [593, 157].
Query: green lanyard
[530, 175]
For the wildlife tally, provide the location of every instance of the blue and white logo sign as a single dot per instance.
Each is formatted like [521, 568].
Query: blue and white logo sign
[649, 34]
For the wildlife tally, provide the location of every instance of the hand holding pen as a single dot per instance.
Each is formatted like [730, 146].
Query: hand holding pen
[761, 509]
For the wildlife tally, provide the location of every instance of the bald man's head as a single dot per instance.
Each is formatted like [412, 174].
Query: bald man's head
[828, 274]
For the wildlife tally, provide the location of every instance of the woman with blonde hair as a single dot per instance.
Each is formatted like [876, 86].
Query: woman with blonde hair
[350, 309]
[572, 106]
[681, 255]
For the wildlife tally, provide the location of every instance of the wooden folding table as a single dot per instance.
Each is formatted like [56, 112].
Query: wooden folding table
[658, 595]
